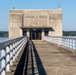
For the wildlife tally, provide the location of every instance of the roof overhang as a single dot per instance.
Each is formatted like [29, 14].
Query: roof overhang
[35, 27]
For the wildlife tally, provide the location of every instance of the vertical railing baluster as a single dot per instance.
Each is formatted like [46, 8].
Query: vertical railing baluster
[69, 43]
[16, 50]
[62, 41]
[72, 43]
[75, 44]
[66, 43]
[3, 62]
[7, 59]
[18, 47]
[13, 51]
[11, 54]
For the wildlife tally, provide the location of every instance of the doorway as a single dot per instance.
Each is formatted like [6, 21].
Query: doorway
[35, 34]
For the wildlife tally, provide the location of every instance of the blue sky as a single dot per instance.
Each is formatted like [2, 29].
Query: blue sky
[68, 9]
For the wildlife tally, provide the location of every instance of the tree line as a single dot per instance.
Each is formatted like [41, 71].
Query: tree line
[3, 33]
[65, 33]
[69, 33]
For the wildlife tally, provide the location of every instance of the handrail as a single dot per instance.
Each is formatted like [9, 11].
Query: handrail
[8, 42]
[67, 41]
[10, 50]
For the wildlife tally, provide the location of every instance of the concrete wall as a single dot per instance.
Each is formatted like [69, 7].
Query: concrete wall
[35, 18]
[15, 21]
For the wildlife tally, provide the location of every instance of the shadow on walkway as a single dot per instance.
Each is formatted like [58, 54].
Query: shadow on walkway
[41, 70]
[21, 64]
[30, 62]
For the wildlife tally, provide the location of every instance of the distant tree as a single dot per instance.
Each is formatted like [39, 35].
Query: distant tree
[3, 33]
[69, 33]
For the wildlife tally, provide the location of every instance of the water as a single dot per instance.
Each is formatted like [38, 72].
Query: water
[2, 39]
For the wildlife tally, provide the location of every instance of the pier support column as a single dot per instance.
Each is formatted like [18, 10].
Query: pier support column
[42, 34]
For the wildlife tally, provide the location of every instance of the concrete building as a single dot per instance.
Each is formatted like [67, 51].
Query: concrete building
[35, 23]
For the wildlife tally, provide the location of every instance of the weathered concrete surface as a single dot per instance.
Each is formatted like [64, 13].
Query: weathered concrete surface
[56, 61]
[44, 58]
[32, 18]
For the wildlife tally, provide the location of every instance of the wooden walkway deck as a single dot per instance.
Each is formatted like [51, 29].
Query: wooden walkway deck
[42, 58]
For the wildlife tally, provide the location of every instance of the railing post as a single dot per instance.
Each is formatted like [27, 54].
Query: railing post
[62, 41]
[69, 43]
[16, 50]
[72, 44]
[7, 58]
[13, 52]
[65, 43]
[18, 47]
[3, 62]
[75, 44]
[11, 55]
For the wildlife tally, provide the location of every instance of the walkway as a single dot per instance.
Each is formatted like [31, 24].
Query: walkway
[42, 58]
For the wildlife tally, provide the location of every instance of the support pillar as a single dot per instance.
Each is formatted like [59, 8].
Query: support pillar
[28, 32]
[49, 33]
[42, 34]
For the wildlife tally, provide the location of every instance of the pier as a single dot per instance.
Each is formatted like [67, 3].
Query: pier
[51, 56]
[37, 47]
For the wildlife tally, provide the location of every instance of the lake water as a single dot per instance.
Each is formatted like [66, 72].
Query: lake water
[2, 39]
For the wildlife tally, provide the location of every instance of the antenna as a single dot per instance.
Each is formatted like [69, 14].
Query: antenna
[59, 4]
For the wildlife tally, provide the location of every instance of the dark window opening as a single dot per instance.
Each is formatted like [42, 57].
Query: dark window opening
[24, 32]
[46, 33]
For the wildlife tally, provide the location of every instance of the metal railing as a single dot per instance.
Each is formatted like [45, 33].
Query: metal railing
[9, 52]
[67, 41]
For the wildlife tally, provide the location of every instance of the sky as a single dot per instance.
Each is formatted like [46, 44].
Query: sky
[68, 10]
